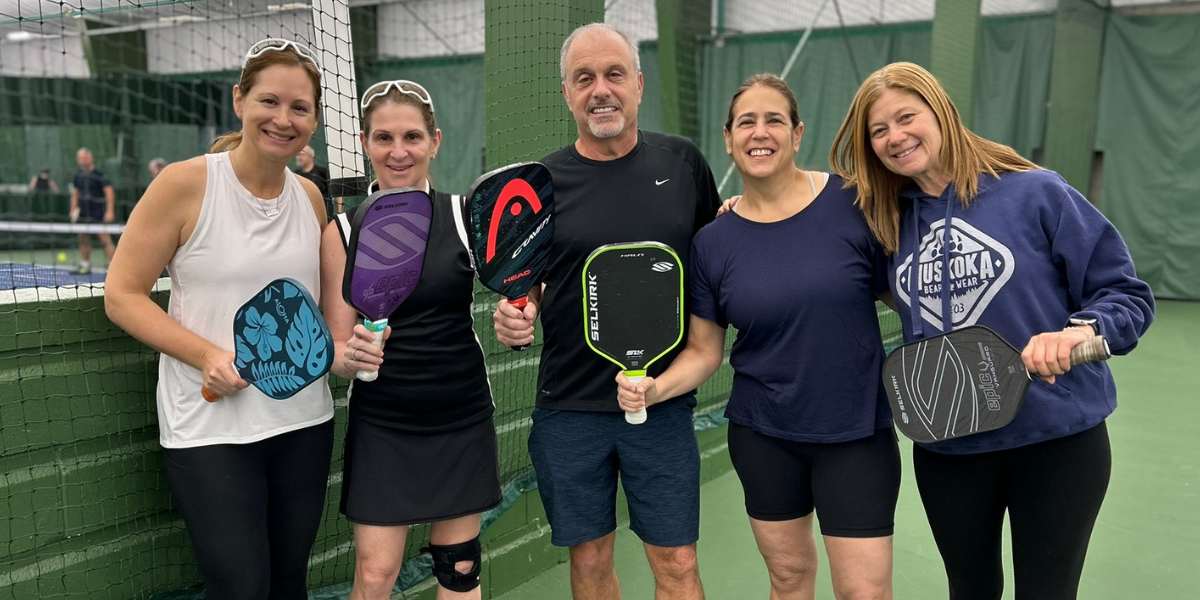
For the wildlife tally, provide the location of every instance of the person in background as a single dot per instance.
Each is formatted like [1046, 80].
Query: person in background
[155, 166]
[307, 167]
[43, 184]
[92, 201]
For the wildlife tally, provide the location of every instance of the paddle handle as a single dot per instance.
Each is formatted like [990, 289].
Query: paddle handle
[636, 417]
[210, 395]
[519, 304]
[376, 328]
[1093, 350]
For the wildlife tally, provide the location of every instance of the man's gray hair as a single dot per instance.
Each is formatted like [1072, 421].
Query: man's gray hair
[562, 57]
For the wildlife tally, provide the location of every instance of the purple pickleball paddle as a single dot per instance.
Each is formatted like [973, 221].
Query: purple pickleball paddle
[384, 259]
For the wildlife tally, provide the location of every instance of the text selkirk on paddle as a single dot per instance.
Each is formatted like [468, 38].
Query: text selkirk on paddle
[633, 306]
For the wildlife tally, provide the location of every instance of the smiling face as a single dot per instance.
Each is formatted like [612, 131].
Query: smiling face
[761, 138]
[602, 86]
[904, 134]
[278, 112]
[399, 144]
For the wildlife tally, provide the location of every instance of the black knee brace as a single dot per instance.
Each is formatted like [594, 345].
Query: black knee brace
[444, 558]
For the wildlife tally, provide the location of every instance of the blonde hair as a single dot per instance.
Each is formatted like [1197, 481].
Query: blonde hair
[285, 56]
[964, 154]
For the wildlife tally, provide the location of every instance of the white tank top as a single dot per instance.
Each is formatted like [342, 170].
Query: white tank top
[240, 244]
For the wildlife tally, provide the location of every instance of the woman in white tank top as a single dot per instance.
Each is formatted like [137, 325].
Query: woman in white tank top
[248, 473]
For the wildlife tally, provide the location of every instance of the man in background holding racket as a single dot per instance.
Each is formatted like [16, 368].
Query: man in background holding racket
[614, 184]
[92, 201]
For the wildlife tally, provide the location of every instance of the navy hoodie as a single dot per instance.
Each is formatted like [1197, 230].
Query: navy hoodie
[1028, 254]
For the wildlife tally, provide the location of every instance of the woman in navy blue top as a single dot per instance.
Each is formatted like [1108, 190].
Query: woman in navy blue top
[977, 234]
[794, 268]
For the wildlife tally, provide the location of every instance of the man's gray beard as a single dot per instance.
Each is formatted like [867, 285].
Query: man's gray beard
[604, 132]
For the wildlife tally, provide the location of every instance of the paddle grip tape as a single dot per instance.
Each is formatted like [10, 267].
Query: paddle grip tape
[1093, 350]
[637, 417]
[376, 328]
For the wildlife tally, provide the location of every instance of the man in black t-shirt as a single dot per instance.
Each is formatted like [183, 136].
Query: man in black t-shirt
[307, 167]
[614, 184]
[92, 201]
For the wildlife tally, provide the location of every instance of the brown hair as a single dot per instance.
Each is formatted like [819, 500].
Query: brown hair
[964, 154]
[400, 97]
[768, 80]
[286, 57]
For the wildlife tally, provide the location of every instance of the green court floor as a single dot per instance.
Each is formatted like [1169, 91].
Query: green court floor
[1147, 539]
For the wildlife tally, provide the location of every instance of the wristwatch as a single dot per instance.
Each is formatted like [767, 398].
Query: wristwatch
[1078, 321]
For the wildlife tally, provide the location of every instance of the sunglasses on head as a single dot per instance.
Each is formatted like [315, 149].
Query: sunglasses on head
[281, 45]
[405, 86]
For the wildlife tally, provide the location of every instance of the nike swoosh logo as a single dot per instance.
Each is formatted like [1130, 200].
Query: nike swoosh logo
[657, 182]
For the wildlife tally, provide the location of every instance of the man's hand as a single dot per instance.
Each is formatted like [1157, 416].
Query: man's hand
[633, 396]
[728, 204]
[514, 326]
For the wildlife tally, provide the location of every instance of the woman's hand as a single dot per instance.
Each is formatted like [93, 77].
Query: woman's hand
[359, 353]
[1049, 354]
[220, 378]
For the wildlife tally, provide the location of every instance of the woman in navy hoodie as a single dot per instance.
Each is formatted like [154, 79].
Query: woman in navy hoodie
[977, 234]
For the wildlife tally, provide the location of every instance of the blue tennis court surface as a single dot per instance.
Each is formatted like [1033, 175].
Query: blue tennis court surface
[14, 276]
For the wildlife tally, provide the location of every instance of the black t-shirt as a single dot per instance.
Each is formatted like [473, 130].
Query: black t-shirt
[318, 175]
[662, 191]
[91, 186]
[42, 184]
[433, 376]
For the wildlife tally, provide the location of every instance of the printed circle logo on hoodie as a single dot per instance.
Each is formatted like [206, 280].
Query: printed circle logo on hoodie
[979, 268]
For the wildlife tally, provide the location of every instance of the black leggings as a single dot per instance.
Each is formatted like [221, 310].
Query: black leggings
[252, 510]
[1052, 492]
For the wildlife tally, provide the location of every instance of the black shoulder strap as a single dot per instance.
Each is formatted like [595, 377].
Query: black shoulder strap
[456, 206]
[343, 224]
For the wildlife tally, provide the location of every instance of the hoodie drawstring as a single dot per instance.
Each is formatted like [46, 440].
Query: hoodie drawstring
[914, 306]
